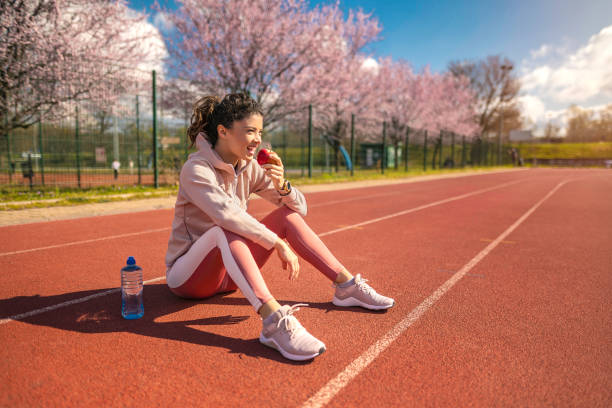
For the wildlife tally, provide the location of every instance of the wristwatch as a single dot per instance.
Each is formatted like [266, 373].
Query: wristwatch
[286, 188]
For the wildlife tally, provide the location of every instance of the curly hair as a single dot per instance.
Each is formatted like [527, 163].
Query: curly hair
[209, 112]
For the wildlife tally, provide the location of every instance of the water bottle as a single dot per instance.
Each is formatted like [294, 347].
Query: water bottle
[131, 290]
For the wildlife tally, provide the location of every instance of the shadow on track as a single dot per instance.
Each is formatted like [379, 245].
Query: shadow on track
[103, 315]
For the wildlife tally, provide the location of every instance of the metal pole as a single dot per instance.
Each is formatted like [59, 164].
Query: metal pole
[31, 174]
[453, 148]
[78, 146]
[463, 151]
[384, 147]
[441, 144]
[138, 154]
[285, 151]
[8, 147]
[425, 152]
[155, 170]
[407, 148]
[353, 144]
[40, 151]
[309, 141]
[505, 70]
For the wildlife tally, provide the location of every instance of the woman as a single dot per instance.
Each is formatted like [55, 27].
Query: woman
[216, 246]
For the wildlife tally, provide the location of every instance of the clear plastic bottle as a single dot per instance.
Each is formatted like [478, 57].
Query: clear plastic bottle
[131, 290]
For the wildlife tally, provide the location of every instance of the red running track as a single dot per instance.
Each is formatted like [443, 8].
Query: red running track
[529, 324]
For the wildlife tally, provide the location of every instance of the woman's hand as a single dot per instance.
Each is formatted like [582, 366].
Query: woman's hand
[275, 170]
[288, 258]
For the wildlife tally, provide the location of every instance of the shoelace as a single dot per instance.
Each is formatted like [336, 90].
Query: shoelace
[364, 287]
[291, 323]
[361, 285]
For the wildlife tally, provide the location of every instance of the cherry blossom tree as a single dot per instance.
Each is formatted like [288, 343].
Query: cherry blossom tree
[283, 53]
[54, 52]
[434, 102]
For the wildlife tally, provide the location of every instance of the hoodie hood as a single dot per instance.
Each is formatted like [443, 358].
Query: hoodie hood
[206, 150]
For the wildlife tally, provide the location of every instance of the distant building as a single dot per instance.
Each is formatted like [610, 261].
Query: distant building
[521, 136]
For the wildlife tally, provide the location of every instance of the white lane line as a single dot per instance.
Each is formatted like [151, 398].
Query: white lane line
[131, 234]
[68, 303]
[422, 207]
[346, 200]
[419, 208]
[336, 384]
[87, 241]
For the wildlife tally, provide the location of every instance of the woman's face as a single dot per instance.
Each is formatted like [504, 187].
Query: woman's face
[244, 137]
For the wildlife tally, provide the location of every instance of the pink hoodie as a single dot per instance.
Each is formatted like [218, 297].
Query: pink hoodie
[212, 193]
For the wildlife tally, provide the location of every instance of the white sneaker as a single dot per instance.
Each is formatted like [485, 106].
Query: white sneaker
[359, 293]
[282, 331]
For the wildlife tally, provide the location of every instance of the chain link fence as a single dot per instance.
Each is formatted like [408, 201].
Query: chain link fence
[134, 133]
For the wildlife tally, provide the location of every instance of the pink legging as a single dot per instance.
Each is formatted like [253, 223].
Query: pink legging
[221, 261]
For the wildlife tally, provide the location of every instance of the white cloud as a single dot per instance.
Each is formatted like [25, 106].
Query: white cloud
[541, 52]
[533, 108]
[162, 22]
[151, 43]
[370, 64]
[555, 78]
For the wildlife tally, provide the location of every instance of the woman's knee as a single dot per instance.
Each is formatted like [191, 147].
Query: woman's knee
[236, 242]
[278, 220]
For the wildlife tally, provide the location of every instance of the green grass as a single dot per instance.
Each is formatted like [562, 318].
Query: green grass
[599, 150]
[20, 197]
[16, 198]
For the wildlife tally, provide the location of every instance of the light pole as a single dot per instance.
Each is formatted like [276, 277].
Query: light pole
[505, 69]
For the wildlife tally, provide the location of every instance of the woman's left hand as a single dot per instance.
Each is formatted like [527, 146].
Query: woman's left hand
[275, 170]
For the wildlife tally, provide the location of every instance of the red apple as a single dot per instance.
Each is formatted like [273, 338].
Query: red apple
[263, 157]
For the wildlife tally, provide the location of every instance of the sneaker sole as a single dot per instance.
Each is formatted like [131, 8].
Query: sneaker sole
[351, 301]
[273, 344]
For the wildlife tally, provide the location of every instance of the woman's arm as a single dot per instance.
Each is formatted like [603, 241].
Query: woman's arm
[199, 184]
[269, 180]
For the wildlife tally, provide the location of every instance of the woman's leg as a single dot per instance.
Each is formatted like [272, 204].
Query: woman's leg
[192, 274]
[201, 271]
[288, 224]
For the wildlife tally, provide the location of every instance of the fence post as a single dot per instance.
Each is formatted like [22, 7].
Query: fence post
[78, 145]
[138, 159]
[302, 150]
[285, 151]
[8, 147]
[31, 174]
[463, 151]
[384, 147]
[435, 152]
[425, 151]
[310, 141]
[352, 144]
[155, 170]
[40, 150]
[440, 159]
[453, 149]
[407, 148]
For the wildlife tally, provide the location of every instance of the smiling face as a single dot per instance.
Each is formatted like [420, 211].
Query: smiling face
[240, 142]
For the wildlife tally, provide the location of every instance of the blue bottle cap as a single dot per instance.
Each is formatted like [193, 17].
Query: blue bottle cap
[131, 261]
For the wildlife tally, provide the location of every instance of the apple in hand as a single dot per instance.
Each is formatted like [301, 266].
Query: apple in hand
[263, 157]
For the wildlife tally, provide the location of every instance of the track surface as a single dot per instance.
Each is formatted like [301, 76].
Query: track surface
[530, 323]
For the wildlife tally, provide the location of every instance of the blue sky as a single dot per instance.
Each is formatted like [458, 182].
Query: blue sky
[438, 31]
[550, 42]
